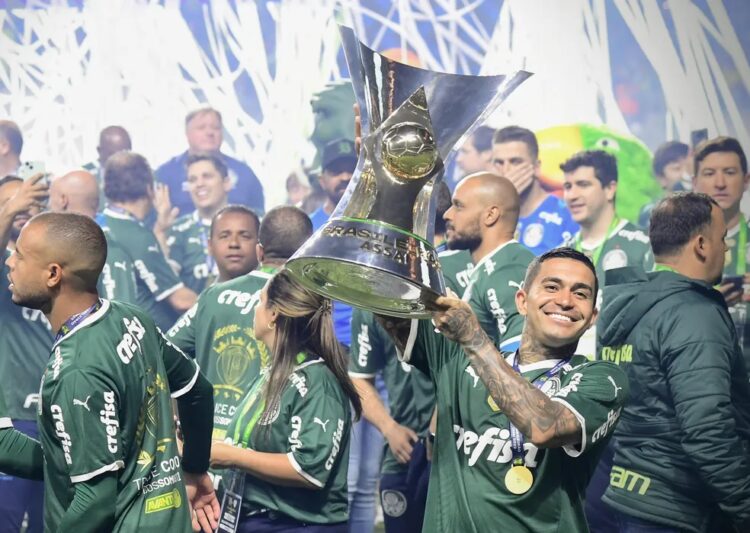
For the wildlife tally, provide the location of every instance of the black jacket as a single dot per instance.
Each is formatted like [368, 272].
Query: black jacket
[682, 447]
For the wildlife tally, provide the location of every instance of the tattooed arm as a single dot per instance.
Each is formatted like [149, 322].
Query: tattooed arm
[545, 423]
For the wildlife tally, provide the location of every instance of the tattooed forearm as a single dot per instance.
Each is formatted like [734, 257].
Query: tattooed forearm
[544, 423]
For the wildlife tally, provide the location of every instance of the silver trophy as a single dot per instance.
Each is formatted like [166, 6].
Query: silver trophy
[376, 251]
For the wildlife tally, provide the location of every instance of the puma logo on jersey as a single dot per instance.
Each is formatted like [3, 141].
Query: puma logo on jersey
[122, 265]
[130, 343]
[512, 283]
[612, 381]
[322, 424]
[473, 374]
[84, 403]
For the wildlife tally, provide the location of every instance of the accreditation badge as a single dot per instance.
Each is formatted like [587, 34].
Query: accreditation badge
[231, 504]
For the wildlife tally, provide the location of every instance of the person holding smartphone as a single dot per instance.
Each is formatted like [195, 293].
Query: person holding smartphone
[721, 172]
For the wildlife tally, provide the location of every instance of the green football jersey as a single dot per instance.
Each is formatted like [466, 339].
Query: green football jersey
[456, 266]
[218, 332]
[117, 280]
[493, 284]
[473, 450]
[155, 279]
[105, 407]
[411, 395]
[25, 340]
[188, 251]
[735, 264]
[311, 425]
[626, 245]
[5, 420]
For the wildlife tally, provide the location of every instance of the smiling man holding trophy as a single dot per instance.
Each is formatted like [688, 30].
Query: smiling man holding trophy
[517, 434]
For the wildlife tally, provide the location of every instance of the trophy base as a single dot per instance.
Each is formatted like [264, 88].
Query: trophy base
[370, 265]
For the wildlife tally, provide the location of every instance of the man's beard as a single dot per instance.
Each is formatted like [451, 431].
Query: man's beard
[39, 301]
[464, 242]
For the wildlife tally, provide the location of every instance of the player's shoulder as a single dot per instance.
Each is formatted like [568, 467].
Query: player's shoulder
[314, 377]
[251, 282]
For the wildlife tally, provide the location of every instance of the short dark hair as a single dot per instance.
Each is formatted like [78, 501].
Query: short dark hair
[76, 236]
[215, 160]
[667, 153]
[127, 177]
[603, 163]
[10, 178]
[481, 139]
[562, 252]
[283, 230]
[719, 144]
[235, 208]
[10, 131]
[517, 133]
[678, 218]
[201, 111]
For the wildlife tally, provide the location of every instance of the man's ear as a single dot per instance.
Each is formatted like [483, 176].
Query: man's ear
[521, 302]
[54, 275]
[259, 252]
[699, 245]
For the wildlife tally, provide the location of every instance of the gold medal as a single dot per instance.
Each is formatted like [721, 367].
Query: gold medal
[519, 479]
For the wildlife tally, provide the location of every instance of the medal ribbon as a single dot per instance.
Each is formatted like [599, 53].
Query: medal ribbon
[578, 245]
[73, 321]
[516, 437]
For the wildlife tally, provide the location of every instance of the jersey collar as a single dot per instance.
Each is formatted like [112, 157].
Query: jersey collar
[87, 322]
[490, 255]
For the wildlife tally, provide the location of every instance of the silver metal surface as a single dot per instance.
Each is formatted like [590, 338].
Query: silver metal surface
[375, 252]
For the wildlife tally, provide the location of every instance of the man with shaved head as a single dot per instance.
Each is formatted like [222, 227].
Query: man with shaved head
[76, 191]
[25, 340]
[105, 416]
[482, 220]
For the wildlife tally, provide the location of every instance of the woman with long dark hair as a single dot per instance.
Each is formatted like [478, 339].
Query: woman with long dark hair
[289, 438]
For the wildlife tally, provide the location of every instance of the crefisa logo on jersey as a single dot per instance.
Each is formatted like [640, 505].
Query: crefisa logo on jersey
[108, 417]
[62, 435]
[336, 444]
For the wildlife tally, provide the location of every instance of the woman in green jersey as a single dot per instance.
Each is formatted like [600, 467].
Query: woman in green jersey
[288, 441]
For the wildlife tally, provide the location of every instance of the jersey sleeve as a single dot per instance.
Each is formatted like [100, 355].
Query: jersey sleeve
[427, 349]
[152, 267]
[182, 334]
[5, 420]
[182, 371]
[367, 352]
[317, 428]
[595, 393]
[86, 409]
[497, 297]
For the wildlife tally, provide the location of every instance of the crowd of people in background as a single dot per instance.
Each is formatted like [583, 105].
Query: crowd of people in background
[583, 371]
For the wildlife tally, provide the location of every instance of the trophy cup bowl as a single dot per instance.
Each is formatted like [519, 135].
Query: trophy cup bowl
[375, 252]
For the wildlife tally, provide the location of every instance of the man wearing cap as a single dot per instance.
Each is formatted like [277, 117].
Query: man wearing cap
[337, 166]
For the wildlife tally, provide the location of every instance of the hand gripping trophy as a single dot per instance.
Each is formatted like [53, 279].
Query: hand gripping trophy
[375, 251]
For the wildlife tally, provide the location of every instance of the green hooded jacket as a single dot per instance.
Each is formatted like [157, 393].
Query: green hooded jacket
[682, 447]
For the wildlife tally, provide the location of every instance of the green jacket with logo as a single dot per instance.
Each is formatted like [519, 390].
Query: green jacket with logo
[682, 447]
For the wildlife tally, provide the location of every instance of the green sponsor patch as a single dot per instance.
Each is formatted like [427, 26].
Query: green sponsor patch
[171, 500]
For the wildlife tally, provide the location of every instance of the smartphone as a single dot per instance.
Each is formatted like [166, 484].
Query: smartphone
[737, 281]
[31, 168]
[698, 136]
